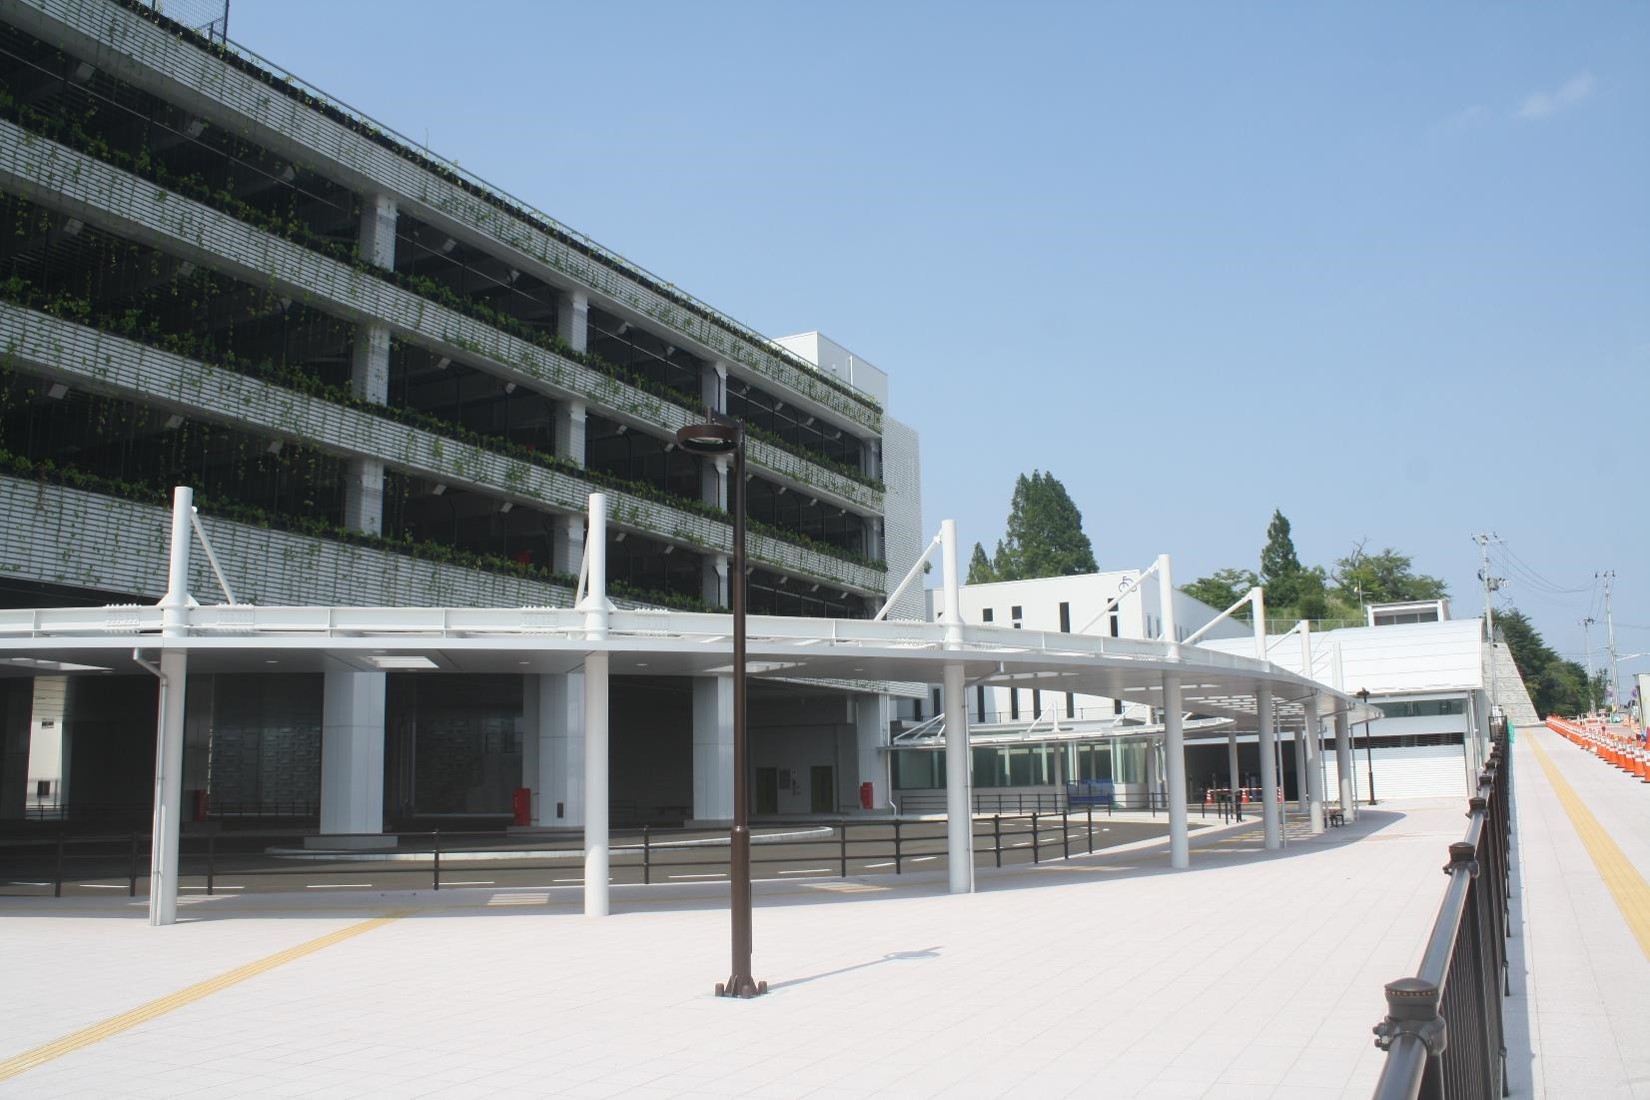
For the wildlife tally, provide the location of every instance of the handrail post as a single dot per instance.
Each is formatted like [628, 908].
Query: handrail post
[1412, 1033]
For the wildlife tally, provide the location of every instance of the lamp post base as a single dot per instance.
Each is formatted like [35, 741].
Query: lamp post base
[743, 988]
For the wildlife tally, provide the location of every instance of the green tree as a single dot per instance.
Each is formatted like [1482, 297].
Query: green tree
[1280, 566]
[1223, 588]
[1386, 577]
[979, 567]
[1312, 594]
[1045, 533]
[1556, 686]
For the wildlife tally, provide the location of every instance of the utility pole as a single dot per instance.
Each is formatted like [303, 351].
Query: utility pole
[1587, 634]
[1491, 584]
[1609, 575]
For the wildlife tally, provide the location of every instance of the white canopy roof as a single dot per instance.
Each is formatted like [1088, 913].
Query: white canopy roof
[235, 638]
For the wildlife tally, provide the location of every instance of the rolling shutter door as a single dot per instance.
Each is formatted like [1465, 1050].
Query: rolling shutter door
[1425, 771]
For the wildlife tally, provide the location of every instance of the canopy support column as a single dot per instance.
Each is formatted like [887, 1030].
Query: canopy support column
[1268, 767]
[1343, 765]
[1174, 752]
[596, 608]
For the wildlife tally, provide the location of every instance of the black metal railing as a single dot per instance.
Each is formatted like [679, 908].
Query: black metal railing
[1445, 1031]
[1049, 801]
[212, 862]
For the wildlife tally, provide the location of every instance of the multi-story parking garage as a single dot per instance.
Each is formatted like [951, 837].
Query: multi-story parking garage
[390, 384]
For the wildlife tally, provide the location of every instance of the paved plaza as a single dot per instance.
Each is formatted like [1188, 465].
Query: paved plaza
[1253, 975]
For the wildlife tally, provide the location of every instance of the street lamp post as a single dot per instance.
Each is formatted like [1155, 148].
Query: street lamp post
[1369, 755]
[721, 435]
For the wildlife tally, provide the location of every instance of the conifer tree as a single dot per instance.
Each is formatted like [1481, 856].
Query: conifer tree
[1045, 533]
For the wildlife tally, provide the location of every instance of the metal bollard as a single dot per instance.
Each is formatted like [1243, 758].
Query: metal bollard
[211, 861]
[131, 868]
[842, 838]
[896, 847]
[1089, 810]
[1034, 847]
[1065, 833]
[647, 855]
[57, 888]
[435, 850]
[997, 837]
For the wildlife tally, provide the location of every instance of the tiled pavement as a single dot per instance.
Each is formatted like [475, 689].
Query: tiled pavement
[1585, 1005]
[1252, 975]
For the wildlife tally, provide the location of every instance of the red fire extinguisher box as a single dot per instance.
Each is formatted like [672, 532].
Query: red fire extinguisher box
[522, 806]
[867, 796]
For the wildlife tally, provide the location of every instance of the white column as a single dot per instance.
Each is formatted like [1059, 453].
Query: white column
[595, 785]
[352, 752]
[370, 371]
[1314, 766]
[596, 794]
[713, 386]
[1174, 753]
[376, 232]
[1232, 768]
[570, 418]
[573, 319]
[174, 671]
[713, 749]
[364, 496]
[959, 798]
[1268, 766]
[1300, 769]
[713, 580]
[555, 724]
[1344, 765]
[567, 544]
[163, 857]
[713, 481]
[871, 717]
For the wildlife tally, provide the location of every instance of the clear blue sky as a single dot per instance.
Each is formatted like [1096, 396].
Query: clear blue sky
[1385, 267]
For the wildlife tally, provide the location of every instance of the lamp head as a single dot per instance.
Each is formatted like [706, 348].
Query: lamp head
[708, 438]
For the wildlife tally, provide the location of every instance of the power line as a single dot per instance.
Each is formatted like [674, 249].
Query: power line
[1533, 577]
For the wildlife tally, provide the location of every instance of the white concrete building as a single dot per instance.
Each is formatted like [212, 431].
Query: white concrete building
[1427, 678]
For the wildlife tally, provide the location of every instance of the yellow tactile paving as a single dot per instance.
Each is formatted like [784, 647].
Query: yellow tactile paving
[114, 1025]
[1626, 884]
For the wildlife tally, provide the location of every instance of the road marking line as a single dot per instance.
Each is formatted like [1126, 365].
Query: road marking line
[142, 1014]
[1626, 884]
[99, 886]
[808, 871]
[341, 886]
[717, 874]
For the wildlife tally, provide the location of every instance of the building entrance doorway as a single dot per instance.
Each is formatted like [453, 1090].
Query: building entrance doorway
[767, 791]
[822, 784]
